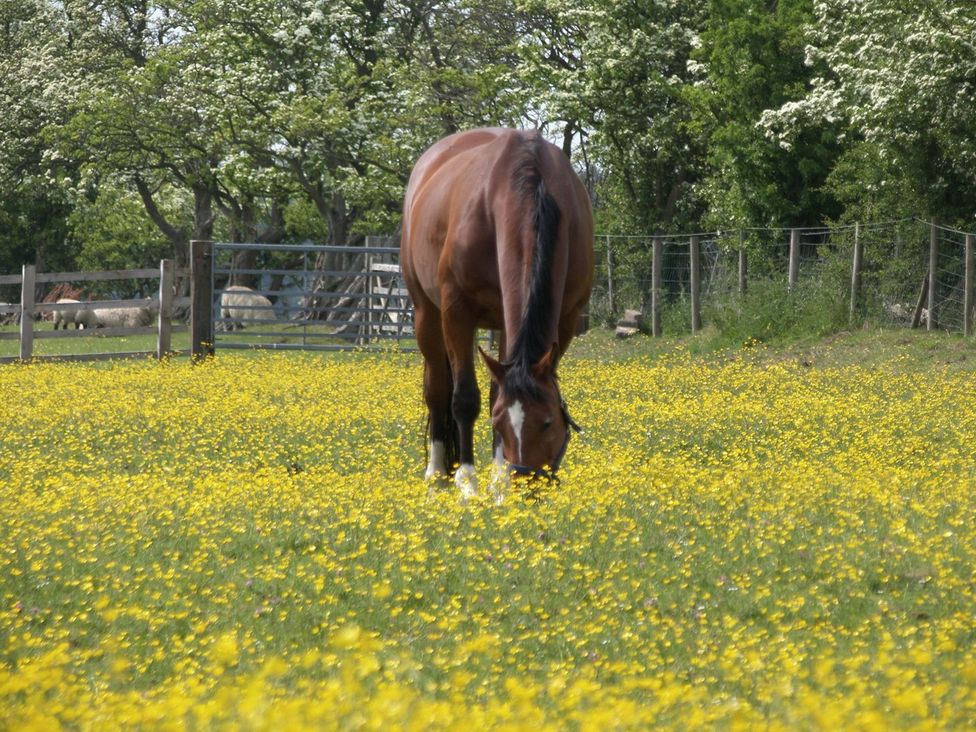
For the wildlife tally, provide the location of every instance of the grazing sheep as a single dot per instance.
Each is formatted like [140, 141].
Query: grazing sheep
[9, 314]
[899, 310]
[240, 305]
[903, 312]
[81, 318]
[131, 317]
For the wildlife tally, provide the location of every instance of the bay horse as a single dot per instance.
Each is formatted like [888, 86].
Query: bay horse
[497, 233]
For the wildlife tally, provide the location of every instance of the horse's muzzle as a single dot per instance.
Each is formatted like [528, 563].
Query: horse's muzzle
[524, 471]
[549, 473]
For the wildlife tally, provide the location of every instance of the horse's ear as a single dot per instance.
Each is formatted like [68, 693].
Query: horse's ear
[495, 368]
[546, 365]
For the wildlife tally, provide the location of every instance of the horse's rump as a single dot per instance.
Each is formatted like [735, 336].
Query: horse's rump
[467, 215]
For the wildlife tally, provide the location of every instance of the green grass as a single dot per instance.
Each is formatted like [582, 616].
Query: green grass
[867, 346]
[898, 349]
[86, 342]
[92, 342]
[768, 535]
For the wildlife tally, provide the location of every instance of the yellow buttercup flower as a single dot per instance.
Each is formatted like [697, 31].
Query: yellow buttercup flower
[735, 543]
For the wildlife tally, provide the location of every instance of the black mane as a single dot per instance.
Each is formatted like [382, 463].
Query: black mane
[535, 329]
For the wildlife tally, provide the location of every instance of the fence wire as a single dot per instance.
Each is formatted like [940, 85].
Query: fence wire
[325, 297]
[893, 274]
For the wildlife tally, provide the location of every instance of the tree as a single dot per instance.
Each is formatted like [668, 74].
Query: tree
[34, 203]
[751, 58]
[902, 75]
[619, 73]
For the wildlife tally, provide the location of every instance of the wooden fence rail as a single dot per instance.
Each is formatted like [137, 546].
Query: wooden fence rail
[937, 300]
[29, 310]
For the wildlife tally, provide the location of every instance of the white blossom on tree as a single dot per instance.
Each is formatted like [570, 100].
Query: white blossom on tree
[902, 74]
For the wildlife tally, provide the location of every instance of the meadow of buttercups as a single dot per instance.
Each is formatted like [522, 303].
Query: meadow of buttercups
[248, 544]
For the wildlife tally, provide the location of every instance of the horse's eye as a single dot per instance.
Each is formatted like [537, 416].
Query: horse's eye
[547, 424]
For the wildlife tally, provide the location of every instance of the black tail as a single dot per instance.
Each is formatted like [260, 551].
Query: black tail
[537, 320]
[536, 330]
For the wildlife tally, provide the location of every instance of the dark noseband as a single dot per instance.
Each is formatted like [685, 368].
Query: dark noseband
[550, 474]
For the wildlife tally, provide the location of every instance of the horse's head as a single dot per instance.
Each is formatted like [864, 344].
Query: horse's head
[530, 415]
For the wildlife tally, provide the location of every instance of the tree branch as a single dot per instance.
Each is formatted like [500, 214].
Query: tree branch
[169, 231]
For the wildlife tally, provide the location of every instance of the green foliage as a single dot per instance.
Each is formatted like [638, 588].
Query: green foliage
[638, 73]
[115, 232]
[303, 222]
[752, 58]
[298, 119]
[871, 187]
[898, 74]
[33, 230]
[769, 313]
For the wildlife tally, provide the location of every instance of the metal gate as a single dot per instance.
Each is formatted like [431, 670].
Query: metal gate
[310, 297]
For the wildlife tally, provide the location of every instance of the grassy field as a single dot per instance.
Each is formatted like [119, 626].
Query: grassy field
[754, 537]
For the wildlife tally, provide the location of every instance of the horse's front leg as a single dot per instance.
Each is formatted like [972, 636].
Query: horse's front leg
[500, 477]
[466, 405]
[459, 332]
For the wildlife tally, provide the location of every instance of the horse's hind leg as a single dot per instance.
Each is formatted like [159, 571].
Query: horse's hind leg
[496, 436]
[443, 437]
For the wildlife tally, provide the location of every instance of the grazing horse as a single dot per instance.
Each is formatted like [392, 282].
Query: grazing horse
[497, 233]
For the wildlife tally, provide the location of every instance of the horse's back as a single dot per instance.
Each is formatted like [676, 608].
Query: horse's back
[462, 193]
[446, 192]
[444, 150]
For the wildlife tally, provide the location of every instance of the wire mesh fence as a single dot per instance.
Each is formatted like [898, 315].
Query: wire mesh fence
[889, 284]
[907, 273]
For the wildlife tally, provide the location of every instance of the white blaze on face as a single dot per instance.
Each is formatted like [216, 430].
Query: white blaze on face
[516, 416]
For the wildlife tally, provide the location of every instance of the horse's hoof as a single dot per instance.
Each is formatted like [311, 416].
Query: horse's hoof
[500, 483]
[466, 479]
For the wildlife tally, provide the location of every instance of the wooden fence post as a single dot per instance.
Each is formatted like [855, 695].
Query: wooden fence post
[657, 250]
[923, 298]
[933, 272]
[856, 271]
[967, 319]
[164, 338]
[694, 247]
[794, 273]
[201, 300]
[743, 264]
[611, 295]
[27, 284]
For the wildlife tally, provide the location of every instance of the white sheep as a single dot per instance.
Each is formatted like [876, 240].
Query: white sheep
[240, 305]
[131, 317]
[9, 314]
[81, 317]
